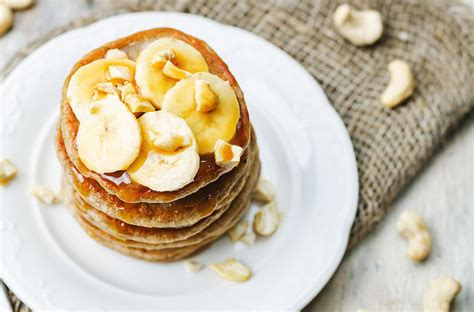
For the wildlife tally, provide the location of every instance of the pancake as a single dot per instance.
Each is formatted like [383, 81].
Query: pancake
[183, 212]
[134, 219]
[214, 229]
[208, 172]
[238, 208]
[127, 231]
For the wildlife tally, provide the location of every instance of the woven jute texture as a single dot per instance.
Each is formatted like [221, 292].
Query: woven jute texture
[436, 38]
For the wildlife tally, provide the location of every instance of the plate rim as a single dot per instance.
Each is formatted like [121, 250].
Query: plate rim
[350, 217]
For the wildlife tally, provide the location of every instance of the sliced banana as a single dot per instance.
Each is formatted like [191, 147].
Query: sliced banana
[83, 83]
[149, 75]
[109, 139]
[208, 127]
[169, 156]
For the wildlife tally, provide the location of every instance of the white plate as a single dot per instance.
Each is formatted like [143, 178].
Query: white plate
[50, 263]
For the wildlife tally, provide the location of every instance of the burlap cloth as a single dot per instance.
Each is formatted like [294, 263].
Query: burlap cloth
[437, 38]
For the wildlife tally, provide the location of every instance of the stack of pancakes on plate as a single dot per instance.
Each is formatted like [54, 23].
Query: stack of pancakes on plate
[150, 224]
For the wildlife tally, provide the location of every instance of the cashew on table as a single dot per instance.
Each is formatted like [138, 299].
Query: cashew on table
[6, 12]
[439, 295]
[6, 18]
[412, 226]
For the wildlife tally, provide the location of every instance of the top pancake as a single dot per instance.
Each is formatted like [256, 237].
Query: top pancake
[208, 170]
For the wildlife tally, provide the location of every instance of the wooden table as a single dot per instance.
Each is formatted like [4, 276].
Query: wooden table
[376, 275]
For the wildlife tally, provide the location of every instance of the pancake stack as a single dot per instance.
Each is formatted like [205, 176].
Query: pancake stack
[163, 172]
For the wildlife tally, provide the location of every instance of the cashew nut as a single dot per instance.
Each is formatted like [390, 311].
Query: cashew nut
[227, 155]
[412, 226]
[105, 87]
[193, 266]
[174, 72]
[6, 18]
[127, 89]
[45, 194]
[238, 230]
[439, 295]
[358, 27]
[7, 171]
[118, 74]
[232, 270]
[102, 89]
[265, 192]
[249, 239]
[401, 85]
[206, 99]
[138, 104]
[18, 4]
[171, 141]
[266, 220]
[160, 59]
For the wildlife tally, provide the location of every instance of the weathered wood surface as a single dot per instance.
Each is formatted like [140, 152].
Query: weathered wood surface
[376, 275]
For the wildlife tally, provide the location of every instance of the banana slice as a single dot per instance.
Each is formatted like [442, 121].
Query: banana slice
[83, 83]
[208, 127]
[172, 71]
[116, 54]
[150, 78]
[169, 156]
[109, 139]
